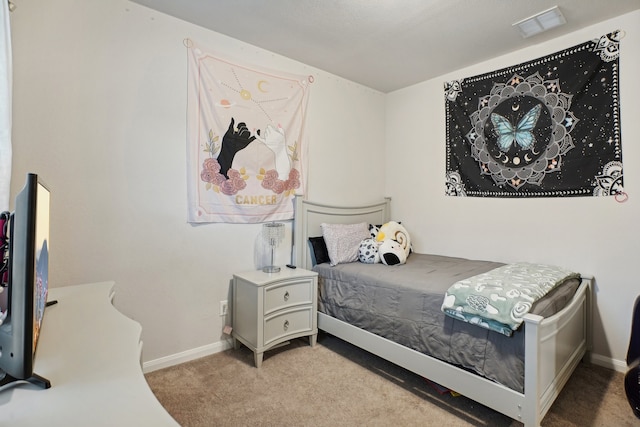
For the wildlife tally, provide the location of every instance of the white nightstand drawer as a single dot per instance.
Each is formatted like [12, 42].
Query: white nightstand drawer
[287, 294]
[287, 323]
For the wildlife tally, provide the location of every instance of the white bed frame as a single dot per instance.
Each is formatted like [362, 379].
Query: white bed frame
[553, 346]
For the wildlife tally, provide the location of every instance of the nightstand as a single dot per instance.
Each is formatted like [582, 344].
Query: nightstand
[269, 309]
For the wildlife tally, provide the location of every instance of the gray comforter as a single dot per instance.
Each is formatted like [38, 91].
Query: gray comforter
[403, 303]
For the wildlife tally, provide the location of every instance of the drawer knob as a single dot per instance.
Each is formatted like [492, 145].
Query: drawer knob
[286, 296]
[286, 325]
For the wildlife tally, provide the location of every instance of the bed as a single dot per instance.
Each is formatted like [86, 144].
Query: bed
[552, 346]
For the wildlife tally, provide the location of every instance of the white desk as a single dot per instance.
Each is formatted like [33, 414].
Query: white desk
[91, 354]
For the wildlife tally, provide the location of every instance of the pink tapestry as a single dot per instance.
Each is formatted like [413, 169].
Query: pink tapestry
[245, 140]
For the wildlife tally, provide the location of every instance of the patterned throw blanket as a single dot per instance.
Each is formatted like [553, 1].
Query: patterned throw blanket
[498, 300]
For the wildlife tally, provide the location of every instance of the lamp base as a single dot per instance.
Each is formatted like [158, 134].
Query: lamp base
[271, 269]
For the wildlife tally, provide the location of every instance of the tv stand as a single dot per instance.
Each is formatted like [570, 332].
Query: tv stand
[91, 353]
[35, 379]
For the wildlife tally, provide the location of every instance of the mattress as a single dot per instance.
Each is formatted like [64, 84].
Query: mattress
[402, 303]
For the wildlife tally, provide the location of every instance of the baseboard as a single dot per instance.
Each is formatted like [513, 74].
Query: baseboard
[186, 356]
[217, 347]
[607, 362]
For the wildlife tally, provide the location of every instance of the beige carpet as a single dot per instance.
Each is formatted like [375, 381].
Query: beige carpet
[337, 384]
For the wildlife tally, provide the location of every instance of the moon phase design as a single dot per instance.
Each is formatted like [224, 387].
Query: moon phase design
[260, 88]
[523, 156]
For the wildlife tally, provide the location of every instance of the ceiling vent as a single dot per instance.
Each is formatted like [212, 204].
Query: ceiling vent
[540, 22]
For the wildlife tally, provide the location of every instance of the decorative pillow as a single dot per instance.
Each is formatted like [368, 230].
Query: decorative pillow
[368, 251]
[343, 241]
[395, 243]
[318, 248]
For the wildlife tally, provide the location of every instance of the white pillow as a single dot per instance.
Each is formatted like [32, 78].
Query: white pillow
[343, 241]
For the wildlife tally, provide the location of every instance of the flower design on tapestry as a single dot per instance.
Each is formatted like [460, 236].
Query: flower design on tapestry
[218, 182]
[271, 182]
[455, 186]
[452, 89]
[608, 46]
[610, 181]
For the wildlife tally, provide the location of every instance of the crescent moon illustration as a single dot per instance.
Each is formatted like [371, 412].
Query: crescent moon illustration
[260, 83]
[506, 159]
[526, 158]
[533, 151]
[515, 107]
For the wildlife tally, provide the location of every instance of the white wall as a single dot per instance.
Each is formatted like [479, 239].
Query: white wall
[99, 112]
[595, 236]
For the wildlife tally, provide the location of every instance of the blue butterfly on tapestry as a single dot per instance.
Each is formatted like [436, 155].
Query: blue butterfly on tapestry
[522, 135]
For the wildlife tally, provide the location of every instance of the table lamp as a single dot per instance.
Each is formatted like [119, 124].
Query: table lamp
[272, 234]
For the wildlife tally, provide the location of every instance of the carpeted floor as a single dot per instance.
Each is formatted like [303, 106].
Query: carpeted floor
[337, 384]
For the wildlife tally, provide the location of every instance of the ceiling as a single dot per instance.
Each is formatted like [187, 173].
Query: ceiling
[386, 44]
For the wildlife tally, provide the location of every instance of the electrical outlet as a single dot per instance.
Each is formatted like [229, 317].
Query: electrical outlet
[223, 308]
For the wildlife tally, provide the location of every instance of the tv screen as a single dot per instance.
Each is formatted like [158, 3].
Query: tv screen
[27, 283]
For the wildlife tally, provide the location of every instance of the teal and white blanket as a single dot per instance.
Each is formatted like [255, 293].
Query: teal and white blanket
[499, 299]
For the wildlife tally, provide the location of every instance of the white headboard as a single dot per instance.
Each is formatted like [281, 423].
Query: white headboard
[309, 215]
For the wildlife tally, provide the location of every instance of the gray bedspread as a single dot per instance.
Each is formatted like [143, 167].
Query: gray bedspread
[402, 303]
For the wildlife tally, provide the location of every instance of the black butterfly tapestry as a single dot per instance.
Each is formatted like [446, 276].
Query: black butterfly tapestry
[545, 128]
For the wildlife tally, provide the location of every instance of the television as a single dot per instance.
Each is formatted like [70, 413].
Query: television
[26, 258]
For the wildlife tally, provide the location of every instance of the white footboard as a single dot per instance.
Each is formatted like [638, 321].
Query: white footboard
[553, 348]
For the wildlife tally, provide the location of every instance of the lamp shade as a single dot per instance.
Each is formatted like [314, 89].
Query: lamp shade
[272, 235]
